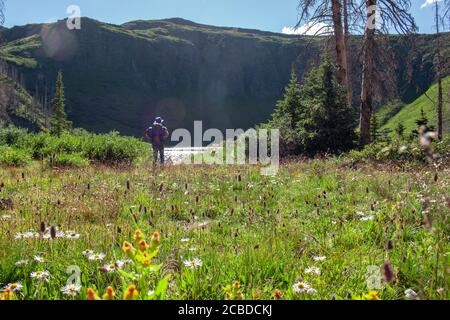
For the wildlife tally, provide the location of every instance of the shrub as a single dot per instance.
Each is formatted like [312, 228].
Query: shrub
[399, 151]
[13, 136]
[14, 157]
[105, 148]
[45, 145]
[111, 148]
[77, 160]
[442, 147]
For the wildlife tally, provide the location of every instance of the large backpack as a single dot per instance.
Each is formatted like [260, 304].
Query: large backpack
[157, 134]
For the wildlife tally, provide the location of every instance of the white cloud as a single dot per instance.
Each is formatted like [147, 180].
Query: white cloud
[429, 2]
[309, 29]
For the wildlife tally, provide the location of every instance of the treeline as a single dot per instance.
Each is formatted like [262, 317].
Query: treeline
[318, 115]
[314, 119]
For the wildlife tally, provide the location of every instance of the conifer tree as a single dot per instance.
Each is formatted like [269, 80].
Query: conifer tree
[374, 128]
[314, 117]
[400, 130]
[58, 121]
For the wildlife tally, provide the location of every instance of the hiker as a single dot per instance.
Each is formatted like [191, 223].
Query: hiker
[157, 134]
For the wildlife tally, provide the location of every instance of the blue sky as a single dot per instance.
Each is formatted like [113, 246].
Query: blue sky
[268, 15]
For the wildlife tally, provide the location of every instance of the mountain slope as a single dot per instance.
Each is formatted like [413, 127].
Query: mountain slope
[17, 106]
[411, 112]
[120, 77]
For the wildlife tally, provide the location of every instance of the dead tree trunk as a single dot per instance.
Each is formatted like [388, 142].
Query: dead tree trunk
[439, 72]
[367, 84]
[341, 50]
[347, 55]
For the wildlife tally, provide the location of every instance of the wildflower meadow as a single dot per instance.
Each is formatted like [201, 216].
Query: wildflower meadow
[319, 229]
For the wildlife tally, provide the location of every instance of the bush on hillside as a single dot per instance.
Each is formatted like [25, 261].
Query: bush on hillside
[13, 157]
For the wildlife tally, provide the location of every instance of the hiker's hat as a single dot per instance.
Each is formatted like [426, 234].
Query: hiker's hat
[159, 120]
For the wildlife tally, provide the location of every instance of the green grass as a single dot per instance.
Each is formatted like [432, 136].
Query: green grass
[389, 110]
[411, 112]
[261, 231]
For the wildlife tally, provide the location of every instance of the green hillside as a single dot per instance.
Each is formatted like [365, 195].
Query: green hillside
[119, 77]
[411, 112]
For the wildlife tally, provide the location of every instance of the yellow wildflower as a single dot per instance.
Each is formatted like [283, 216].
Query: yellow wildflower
[373, 295]
[277, 294]
[127, 248]
[92, 295]
[143, 246]
[228, 289]
[131, 293]
[156, 238]
[109, 294]
[146, 262]
[8, 294]
[138, 235]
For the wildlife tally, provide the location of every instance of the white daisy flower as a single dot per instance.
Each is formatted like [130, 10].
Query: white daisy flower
[5, 217]
[185, 240]
[319, 258]
[311, 291]
[87, 253]
[410, 294]
[121, 263]
[60, 234]
[313, 270]
[203, 224]
[19, 235]
[72, 235]
[96, 256]
[300, 287]
[367, 218]
[22, 262]
[30, 235]
[108, 268]
[39, 259]
[71, 290]
[41, 275]
[198, 262]
[193, 264]
[14, 287]
[46, 236]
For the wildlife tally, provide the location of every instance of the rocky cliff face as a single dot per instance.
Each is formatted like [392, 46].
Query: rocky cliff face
[120, 77]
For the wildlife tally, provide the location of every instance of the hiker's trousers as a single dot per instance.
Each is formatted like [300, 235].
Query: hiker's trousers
[158, 150]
